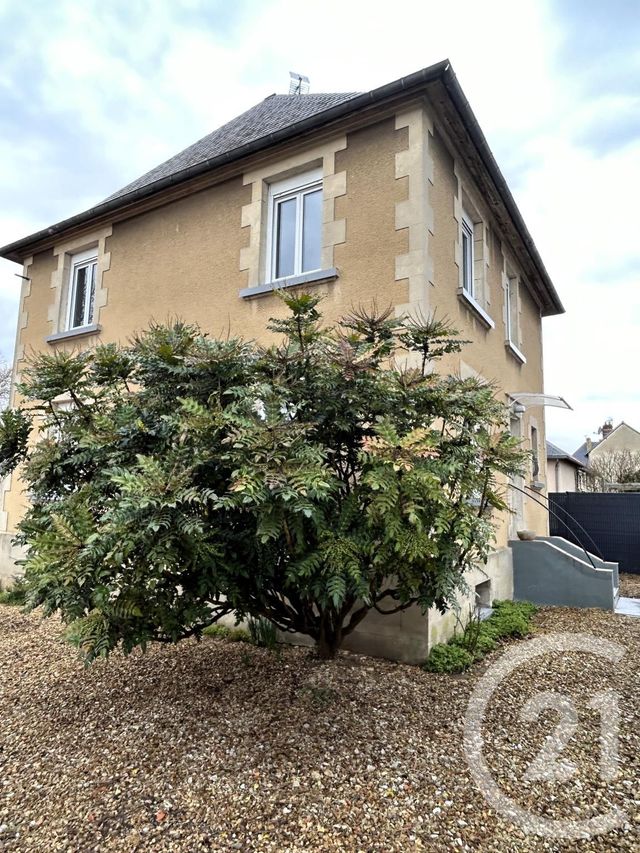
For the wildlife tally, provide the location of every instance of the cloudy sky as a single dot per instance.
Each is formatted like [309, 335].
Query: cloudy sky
[93, 94]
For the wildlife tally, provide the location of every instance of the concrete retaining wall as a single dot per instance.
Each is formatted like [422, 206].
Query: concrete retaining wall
[9, 554]
[577, 551]
[410, 636]
[498, 571]
[551, 571]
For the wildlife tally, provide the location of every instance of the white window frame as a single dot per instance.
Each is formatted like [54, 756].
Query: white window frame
[512, 283]
[280, 191]
[512, 316]
[80, 261]
[467, 229]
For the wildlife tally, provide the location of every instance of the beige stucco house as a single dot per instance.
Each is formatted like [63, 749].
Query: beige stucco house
[392, 195]
[613, 461]
[564, 471]
[619, 439]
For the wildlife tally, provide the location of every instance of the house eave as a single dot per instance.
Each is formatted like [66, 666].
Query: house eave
[569, 459]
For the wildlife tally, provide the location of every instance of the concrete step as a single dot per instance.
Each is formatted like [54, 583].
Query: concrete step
[628, 606]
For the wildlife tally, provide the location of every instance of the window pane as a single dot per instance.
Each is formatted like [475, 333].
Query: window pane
[285, 237]
[312, 231]
[467, 260]
[513, 311]
[80, 298]
[92, 293]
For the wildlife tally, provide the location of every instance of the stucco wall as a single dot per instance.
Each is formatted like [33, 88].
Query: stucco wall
[562, 475]
[553, 572]
[178, 261]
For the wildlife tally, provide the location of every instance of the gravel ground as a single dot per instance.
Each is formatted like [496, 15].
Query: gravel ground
[630, 585]
[221, 746]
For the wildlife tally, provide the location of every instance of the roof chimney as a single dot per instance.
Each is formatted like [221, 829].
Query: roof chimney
[607, 428]
[588, 443]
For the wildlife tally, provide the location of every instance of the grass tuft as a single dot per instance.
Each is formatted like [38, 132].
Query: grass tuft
[16, 594]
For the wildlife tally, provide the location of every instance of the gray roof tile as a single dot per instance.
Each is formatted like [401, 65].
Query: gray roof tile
[581, 453]
[274, 113]
[555, 452]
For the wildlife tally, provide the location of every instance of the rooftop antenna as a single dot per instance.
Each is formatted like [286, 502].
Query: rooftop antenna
[298, 84]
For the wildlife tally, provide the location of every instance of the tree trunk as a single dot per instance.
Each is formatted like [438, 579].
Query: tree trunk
[329, 639]
[325, 650]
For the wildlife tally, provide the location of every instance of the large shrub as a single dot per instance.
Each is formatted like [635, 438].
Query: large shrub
[304, 483]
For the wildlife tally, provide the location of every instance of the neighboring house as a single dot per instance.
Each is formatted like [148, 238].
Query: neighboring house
[613, 463]
[564, 471]
[392, 196]
[620, 439]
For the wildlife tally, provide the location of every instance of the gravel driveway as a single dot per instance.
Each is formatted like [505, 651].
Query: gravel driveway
[630, 585]
[222, 746]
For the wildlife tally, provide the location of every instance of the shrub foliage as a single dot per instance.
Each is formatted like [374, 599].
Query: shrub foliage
[304, 483]
[510, 619]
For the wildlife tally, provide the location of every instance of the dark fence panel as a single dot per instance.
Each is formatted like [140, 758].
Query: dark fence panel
[612, 520]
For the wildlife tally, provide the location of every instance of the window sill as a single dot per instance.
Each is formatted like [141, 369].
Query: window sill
[469, 302]
[515, 352]
[315, 277]
[79, 332]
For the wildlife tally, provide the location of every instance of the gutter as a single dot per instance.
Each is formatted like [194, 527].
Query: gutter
[441, 71]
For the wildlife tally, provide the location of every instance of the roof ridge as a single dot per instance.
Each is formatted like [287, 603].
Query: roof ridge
[270, 115]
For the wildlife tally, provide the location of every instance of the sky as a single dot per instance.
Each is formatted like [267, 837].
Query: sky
[94, 94]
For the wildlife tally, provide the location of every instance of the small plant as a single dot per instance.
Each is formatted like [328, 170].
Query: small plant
[446, 657]
[16, 594]
[263, 633]
[472, 633]
[232, 635]
[221, 632]
[319, 697]
[508, 625]
[509, 619]
[239, 635]
[524, 607]
[482, 642]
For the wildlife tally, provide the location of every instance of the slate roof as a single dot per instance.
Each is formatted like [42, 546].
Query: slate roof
[581, 453]
[555, 452]
[274, 113]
